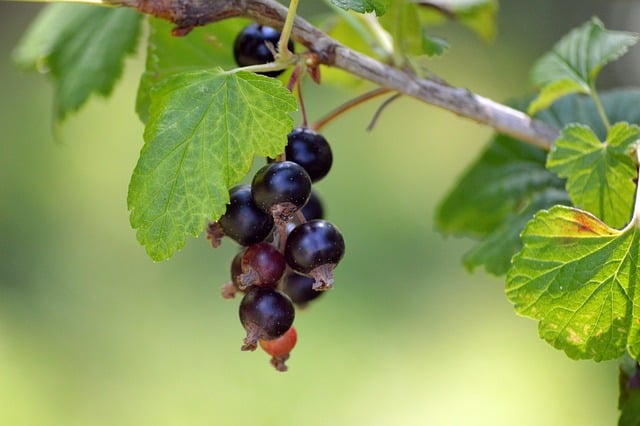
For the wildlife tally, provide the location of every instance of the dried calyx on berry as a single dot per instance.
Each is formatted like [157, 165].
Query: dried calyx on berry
[280, 348]
[315, 248]
[265, 313]
[243, 221]
[281, 189]
[262, 264]
[254, 45]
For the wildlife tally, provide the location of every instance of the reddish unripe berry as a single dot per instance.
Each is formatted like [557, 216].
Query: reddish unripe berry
[262, 264]
[280, 348]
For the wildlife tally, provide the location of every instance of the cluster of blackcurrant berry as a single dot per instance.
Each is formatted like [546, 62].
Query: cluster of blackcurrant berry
[288, 250]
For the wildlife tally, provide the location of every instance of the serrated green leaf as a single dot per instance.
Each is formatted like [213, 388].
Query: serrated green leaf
[204, 129]
[578, 277]
[492, 200]
[433, 45]
[203, 48]
[600, 176]
[364, 6]
[477, 15]
[573, 64]
[82, 47]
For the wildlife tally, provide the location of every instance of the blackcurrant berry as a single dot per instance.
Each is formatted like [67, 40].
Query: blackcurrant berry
[314, 208]
[244, 221]
[311, 150]
[265, 313]
[299, 288]
[280, 348]
[262, 264]
[250, 47]
[230, 289]
[315, 248]
[281, 188]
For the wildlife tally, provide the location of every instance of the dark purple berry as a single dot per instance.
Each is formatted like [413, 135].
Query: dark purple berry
[250, 47]
[311, 150]
[281, 188]
[314, 208]
[315, 248]
[244, 221]
[266, 314]
[299, 288]
[262, 264]
[230, 289]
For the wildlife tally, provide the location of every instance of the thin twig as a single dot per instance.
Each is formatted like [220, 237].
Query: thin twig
[187, 14]
[350, 104]
[381, 108]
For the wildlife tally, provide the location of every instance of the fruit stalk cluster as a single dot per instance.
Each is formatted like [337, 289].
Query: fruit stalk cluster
[288, 250]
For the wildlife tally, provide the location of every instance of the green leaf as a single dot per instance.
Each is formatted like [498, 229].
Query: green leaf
[478, 15]
[499, 246]
[82, 47]
[203, 48]
[495, 198]
[575, 61]
[630, 410]
[204, 129]
[433, 45]
[402, 23]
[578, 277]
[501, 190]
[364, 6]
[600, 176]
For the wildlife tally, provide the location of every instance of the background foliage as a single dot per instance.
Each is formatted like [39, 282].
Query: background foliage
[92, 332]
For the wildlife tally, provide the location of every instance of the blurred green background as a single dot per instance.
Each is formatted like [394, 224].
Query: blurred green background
[93, 333]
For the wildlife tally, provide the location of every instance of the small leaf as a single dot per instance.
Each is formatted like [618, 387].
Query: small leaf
[364, 6]
[600, 175]
[204, 129]
[203, 48]
[579, 277]
[83, 48]
[477, 15]
[433, 45]
[573, 64]
[402, 23]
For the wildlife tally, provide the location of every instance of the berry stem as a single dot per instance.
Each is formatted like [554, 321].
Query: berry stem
[283, 47]
[600, 108]
[332, 115]
[303, 110]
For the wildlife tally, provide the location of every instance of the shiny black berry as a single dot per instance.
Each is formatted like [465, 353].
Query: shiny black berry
[262, 264]
[266, 314]
[299, 288]
[281, 188]
[250, 47]
[311, 150]
[314, 208]
[244, 221]
[314, 248]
